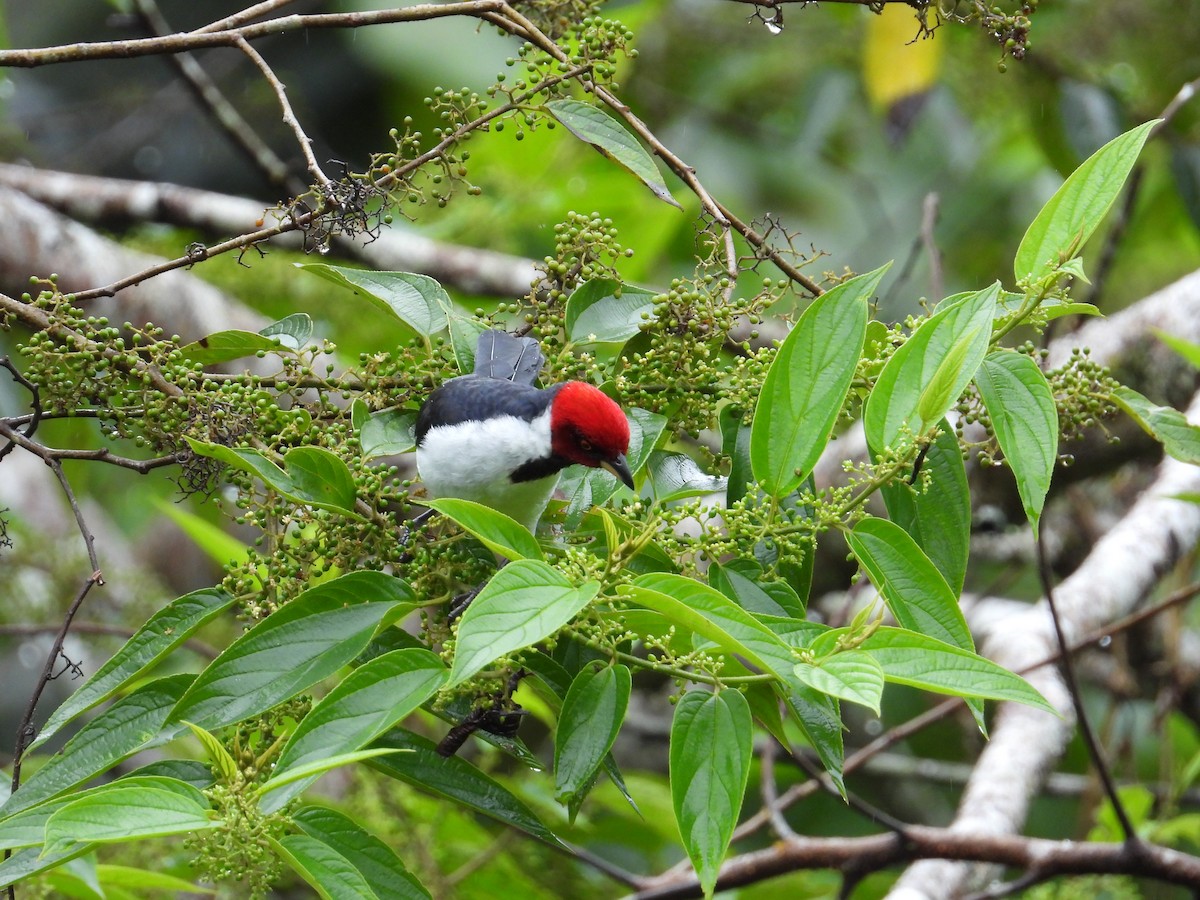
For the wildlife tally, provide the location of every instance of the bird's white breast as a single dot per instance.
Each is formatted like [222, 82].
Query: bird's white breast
[474, 461]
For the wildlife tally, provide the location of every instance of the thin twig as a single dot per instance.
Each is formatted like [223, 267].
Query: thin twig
[228, 37]
[200, 648]
[103, 454]
[31, 421]
[860, 806]
[612, 870]
[1182, 96]
[246, 15]
[241, 132]
[289, 116]
[770, 791]
[25, 729]
[1068, 672]
[299, 221]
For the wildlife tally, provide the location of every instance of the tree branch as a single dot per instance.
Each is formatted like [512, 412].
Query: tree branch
[114, 202]
[872, 854]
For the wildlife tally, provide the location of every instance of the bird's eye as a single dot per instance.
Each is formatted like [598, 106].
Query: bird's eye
[585, 445]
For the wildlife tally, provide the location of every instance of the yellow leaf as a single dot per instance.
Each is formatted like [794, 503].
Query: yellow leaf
[895, 64]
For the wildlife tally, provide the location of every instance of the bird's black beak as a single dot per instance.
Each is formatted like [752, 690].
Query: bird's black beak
[619, 467]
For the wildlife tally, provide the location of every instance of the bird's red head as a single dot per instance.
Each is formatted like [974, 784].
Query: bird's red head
[586, 426]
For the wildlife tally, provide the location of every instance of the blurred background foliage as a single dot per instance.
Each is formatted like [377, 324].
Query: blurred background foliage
[840, 127]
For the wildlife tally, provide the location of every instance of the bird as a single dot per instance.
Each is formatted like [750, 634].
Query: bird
[496, 438]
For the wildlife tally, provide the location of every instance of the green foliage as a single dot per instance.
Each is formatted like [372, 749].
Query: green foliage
[711, 598]
[595, 127]
[710, 765]
[805, 388]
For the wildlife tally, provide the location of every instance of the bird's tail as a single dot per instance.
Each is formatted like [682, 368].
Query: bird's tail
[505, 356]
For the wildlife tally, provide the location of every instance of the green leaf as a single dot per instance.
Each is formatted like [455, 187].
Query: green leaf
[34, 860]
[464, 336]
[498, 532]
[944, 387]
[1010, 303]
[937, 511]
[595, 314]
[292, 649]
[221, 761]
[645, 429]
[192, 771]
[224, 346]
[806, 385]
[217, 544]
[709, 768]
[932, 368]
[741, 580]
[557, 681]
[369, 701]
[388, 432]
[1179, 437]
[124, 812]
[321, 478]
[649, 558]
[1068, 219]
[1025, 420]
[135, 722]
[292, 331]
[314, 476]
[385, 874]
[710, 614]
[911, 585]
[416, 300]
[735, 443]
[311, 771]
[705, 611]
[161, 633]
[920, 661]
[524, 602]
[456, 779]
[1187, 349]
[595, 127]
[675, 476]
[27, 828]
[129, 877]
[591, 717]
[329, 873]
[852, 675]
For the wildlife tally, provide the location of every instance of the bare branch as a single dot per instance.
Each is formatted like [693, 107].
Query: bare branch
[51, 455]
[257, 11]
[1045, 857]
[25, 730]
[114, 201]
[228, 37]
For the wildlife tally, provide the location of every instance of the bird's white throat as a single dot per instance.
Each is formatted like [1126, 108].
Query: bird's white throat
[475, 461]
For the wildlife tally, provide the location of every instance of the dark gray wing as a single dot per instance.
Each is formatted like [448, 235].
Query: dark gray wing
[473, 398]
[502, 355]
